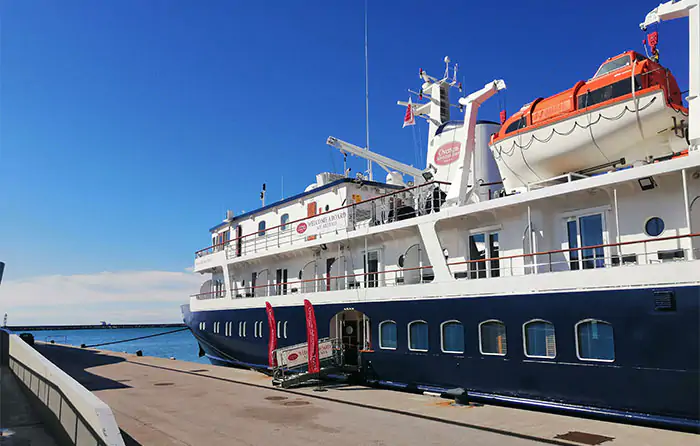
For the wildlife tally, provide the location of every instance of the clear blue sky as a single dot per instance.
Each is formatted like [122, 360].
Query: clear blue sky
[130, 126]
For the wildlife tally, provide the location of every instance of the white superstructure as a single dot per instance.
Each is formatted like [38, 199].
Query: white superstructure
[344, 239]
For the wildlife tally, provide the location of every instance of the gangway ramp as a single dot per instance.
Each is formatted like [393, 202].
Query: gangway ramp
[292, 363]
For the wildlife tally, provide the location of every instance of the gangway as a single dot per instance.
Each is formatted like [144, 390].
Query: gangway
[292, 362]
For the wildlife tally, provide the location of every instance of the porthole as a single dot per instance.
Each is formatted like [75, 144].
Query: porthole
[654, 227]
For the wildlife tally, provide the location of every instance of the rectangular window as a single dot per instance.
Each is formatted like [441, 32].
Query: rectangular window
[239, 240]
[281, 281]
[253, 281]
[484, 250]
[330, 283]
[612, 65]
[516, 125]
[582, 232]
[594, 341]
[492, 336]
[310, 212]
[452, 337]
[217, 288]
[418, 336]
[387, 335]
[371, 267]
[572, 237]
[540, 341]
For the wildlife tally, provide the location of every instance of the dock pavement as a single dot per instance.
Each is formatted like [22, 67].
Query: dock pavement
[159, 401]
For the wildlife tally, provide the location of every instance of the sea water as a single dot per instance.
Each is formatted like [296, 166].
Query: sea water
[180, 345]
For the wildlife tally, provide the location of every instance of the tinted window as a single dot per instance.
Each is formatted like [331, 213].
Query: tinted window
[283, 221]
[608, 92]
[493, 338]
[387, 335]
[613, 65]
[516, 125]
[588, 230]
[261, 228]
[418, 336]
[595, 341]
[539, 339]
[452, 337]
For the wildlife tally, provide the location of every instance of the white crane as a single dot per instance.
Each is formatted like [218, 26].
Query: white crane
[386, 163]
[675, 10]
[460, 191]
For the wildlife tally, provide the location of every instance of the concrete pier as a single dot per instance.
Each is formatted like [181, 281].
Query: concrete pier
[167, 402]
[20, 424]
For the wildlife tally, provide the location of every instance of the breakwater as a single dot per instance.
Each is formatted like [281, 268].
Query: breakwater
[88, 327]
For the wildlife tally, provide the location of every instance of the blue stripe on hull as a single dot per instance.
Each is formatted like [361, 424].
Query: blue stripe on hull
[655, 372]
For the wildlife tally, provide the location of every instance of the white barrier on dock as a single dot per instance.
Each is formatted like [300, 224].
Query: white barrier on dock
[86, 419]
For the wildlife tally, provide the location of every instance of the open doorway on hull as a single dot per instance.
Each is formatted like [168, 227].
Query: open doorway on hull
[352, 328]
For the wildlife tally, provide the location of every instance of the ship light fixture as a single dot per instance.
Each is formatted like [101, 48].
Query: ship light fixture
[647, 183]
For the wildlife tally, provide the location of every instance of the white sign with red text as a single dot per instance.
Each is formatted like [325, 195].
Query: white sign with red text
[324, 223]
[296, 356]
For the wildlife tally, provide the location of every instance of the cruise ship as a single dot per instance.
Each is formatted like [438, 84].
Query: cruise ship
[547, 260]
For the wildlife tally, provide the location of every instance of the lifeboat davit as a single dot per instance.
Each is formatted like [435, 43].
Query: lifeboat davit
[632, 109]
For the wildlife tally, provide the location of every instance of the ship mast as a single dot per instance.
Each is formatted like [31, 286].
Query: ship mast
[369, 161]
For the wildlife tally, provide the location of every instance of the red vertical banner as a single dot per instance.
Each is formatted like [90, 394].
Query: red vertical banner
[311, 337]
[272, 342]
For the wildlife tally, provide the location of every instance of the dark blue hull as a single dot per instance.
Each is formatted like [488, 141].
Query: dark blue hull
[655, 374]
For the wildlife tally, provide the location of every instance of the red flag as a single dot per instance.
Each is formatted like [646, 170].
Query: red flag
[653, 40]
[272, 342]
[311, 337]
[503, 116]
[409, 119]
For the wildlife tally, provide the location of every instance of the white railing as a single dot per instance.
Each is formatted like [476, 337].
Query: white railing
[210, 295]
[639, 252]
[394, 206]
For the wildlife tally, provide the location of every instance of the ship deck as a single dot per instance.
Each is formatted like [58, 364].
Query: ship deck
[157, 401]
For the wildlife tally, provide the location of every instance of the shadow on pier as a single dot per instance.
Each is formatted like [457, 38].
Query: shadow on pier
[76, 362]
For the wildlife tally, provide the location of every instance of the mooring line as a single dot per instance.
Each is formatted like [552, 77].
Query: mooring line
[134, 339]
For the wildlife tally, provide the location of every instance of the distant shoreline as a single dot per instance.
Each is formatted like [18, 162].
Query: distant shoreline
[88, 327]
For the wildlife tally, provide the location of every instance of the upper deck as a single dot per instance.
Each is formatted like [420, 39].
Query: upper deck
[249, 236]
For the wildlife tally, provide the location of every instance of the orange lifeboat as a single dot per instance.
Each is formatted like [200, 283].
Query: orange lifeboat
[631, 108]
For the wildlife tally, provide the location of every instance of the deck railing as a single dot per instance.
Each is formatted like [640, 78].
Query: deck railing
[394, 206]
[210, 295]
[609, 255]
